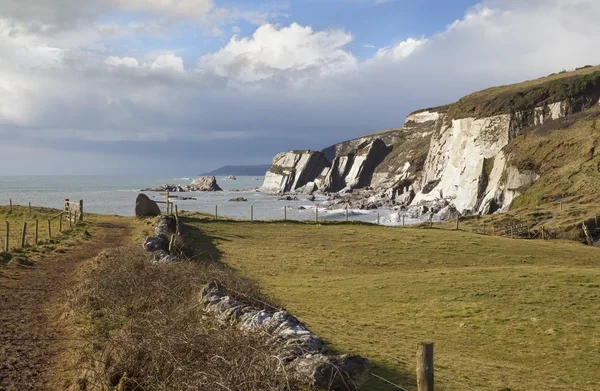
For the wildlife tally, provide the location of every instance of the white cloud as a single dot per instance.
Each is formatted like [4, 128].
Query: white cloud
[187, 9]
[125, 61]
[168, 61]
[273, 52]
[280, 88]
[401, 50]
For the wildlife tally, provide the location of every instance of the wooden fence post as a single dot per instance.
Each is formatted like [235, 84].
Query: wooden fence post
[70, 222]
[7, 236]
[37, 230]
[168, 200]
[457, 220]
[171, 242]
[285, 213]
[80, 210]
[317, 215]
[49, 229]
[377, 218]
[10, 207]
[24, 235]
[346, 214]
[561, 207]
[216, 212]
[60, 223]
[403, 220]
[586, 232]
[30, 209]
[425, 367]
[543, 238]
[251, 213]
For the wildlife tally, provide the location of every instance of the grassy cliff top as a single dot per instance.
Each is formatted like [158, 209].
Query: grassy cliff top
[573, 86]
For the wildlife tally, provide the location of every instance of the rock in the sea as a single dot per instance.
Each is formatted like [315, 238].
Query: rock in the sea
[230, 178]
[311, 197]
[238, 199]
[288, 198]
[169, 188]
[205, 183]
[144, 206]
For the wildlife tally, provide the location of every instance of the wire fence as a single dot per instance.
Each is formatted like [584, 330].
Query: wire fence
[372, 373]
[27, 226]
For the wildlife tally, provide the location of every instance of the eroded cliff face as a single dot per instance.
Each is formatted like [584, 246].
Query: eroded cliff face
[467, 167]
[296, 171]
[454, 156]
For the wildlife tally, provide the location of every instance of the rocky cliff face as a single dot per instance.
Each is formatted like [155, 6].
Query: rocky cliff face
[296, 171]
[455, 155]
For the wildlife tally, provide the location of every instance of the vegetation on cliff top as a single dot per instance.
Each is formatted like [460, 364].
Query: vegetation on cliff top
[573, 87]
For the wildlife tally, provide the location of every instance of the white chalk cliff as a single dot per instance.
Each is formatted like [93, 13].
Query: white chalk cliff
[452, 155]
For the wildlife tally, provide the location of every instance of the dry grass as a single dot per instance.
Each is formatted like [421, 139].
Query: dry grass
[144, 329]
[504, 314]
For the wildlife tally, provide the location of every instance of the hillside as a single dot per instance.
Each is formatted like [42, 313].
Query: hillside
[249, 170]
[515, 146]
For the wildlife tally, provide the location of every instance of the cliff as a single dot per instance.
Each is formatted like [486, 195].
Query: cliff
[464, 154]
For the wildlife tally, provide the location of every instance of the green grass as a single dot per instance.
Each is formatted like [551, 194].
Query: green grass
[571, 86]
[18, 214]
[504, 314]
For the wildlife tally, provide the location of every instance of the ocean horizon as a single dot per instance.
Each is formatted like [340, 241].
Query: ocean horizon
[116, 195]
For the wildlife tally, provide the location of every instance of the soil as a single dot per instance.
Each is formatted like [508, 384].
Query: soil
[30, 292]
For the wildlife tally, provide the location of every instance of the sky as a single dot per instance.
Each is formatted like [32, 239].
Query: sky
[180, 87]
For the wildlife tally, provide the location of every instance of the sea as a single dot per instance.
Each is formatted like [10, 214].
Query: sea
[116, 195]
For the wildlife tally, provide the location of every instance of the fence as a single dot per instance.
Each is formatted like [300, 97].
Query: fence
[21, 232]
[423, 366]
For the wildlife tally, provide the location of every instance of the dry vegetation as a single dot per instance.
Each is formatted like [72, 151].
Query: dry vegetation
[143, 329]
[504, 314]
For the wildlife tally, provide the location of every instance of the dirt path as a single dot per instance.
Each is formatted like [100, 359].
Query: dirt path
[29, 343]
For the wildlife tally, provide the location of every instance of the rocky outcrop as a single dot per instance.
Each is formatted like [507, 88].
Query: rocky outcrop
[303, 354]
[295, 171]
[144, 206]
[355, 170]
[456, 155]
[467, 166]
[205, 183]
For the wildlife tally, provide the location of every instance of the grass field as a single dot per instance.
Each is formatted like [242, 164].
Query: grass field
[18, 214]
[504, 314]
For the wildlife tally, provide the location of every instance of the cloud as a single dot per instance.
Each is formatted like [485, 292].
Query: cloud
[168, 61]
[67, 13]
[401, 50]
[282, 87]
[284, 53]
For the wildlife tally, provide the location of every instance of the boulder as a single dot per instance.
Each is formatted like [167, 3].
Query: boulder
[346, 372]
[5, 257]
[238, 199]
[448, 213]
[205, 183]
[311, 197]
[155, 243]
[230, 178]
[144, 206]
